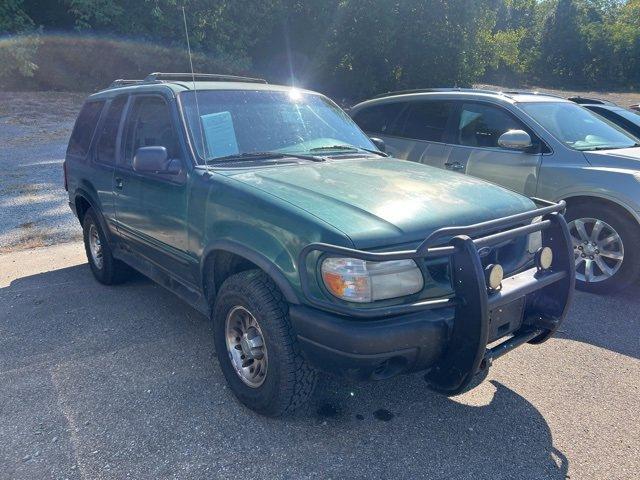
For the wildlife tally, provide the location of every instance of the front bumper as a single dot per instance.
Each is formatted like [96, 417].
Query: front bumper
[452, 338]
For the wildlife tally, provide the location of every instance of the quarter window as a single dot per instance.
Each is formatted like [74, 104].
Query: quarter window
[84, 128]
[427, 121]
[106, 148]
[379, 118]
[481, 125]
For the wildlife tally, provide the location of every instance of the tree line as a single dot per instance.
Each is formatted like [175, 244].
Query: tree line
[356, 48]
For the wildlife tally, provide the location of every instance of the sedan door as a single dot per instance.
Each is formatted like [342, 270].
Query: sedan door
[422, 127]
[378, 121]
[473, 148]
[411, 130]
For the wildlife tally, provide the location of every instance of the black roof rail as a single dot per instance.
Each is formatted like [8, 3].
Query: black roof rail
[589, 100]
[206, 77]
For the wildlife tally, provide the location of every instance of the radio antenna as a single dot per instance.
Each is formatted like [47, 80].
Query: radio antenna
[195, 90]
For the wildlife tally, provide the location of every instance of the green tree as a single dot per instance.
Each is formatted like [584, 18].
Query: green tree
[562, 45]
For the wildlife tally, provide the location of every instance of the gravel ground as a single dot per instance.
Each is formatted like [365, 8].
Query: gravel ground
[122, 382]
[34, 131]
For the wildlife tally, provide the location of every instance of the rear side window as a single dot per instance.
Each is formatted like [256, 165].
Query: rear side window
[84, 128]
[481, 125]
[427, 121]
[379, 118]
[106, 148]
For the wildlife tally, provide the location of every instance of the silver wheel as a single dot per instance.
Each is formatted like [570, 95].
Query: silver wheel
[245, 346]
[597, 248]
[95, 246]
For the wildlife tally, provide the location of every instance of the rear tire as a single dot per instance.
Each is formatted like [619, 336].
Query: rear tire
[287, 381]
[106, 269]
[604, 265]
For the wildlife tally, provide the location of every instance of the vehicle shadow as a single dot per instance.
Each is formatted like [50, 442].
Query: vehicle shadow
[409, 430]
[135, 362]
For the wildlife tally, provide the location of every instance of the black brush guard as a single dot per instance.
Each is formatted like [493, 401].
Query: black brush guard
[547, 293]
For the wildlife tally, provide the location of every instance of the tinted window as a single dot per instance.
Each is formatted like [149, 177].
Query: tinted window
[150, 125]
[84, 128]
[624, 118]
[427, 121]
[379, 118]
[481, 125]
[106, 149]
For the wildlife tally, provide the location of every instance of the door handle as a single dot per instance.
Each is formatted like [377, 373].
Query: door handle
[119, 183]
[456, 166]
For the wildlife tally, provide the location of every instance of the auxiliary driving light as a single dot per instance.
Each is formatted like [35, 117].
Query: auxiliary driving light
[544, 258]
[494, 274]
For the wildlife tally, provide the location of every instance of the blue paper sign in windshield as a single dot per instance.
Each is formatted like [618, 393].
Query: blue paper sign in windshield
[219, 134]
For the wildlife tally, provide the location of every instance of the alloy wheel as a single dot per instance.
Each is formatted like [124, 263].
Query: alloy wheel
[598, 249]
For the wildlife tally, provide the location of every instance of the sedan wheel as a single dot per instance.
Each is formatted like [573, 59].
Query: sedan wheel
[598, 249]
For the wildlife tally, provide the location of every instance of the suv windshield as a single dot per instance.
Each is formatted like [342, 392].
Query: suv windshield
[577, 127]
[237, 122]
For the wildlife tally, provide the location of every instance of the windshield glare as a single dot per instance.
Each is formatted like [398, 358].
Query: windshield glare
[235, 122]
[577, 127]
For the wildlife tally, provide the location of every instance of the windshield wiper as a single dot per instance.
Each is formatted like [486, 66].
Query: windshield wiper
[241, 157]
[350, 148]
[610, 147]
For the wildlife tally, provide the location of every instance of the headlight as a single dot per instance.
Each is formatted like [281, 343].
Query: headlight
[534, 241]
[360, 281]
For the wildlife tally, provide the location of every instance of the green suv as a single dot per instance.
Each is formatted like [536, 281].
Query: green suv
[268, 209]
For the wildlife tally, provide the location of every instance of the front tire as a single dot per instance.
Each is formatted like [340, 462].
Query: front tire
[106, 269]
[605, 243]
[256, 347]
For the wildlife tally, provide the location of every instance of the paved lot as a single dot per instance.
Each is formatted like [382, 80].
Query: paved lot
[121, 382]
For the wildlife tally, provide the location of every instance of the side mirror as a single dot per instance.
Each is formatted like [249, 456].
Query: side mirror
[379, 143]
[515, 140]
[155, 160]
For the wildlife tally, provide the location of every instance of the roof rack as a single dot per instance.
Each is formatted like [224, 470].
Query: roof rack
[530, 92]
[432, 90]
[122, 82]
[207, 77]
[506, 93]
[183, 77]
[590, 100]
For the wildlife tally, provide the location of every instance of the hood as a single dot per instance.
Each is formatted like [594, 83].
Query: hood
[382, 202]
[625, 158]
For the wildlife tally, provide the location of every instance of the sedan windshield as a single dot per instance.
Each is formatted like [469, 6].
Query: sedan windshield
[227, 124]
[577, 127]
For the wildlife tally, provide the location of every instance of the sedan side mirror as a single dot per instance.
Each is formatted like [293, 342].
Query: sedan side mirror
[155, 160]
[515, 140]
[379, 143]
